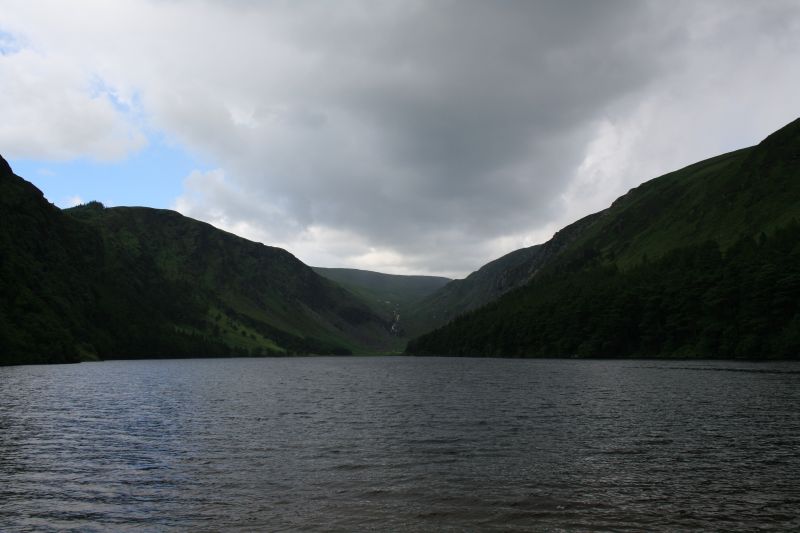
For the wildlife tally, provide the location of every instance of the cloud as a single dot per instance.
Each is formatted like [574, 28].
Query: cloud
[49, 113]
[72, 201]
[733, 84]
[417, 136]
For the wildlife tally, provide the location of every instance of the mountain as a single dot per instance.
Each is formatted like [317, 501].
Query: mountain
[701, 262]
[96, 282]
[488, 283]
[383, 288]
[45, 289]
[390, 295]
[480, 287]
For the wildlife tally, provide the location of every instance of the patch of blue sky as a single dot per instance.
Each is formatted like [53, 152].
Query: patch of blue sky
[98, 88]
[151, 177]
[8, 44]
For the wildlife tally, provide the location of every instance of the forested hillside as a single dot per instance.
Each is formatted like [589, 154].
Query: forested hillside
[491, 281]
[702, 262]
[92, 282]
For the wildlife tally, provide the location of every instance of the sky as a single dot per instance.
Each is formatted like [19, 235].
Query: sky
[399, 136]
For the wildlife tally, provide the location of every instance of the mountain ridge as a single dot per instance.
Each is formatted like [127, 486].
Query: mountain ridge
[94, 282]
[492, 280]
[390, 295]
[708, 211]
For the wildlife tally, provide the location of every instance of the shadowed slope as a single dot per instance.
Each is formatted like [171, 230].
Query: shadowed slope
[699, 262]
[136, 282]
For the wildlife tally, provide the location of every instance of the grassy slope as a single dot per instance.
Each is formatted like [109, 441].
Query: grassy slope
[376, 287]
[58, 299]
[744, 192]
[723, 199]
[391, 296]
[136, 282]
[491, 281]
[461, 295]
[254, 292]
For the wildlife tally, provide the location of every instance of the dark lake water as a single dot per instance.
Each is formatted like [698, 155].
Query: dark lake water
[402, 444]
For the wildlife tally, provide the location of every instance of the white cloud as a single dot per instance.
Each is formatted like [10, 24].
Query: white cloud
[49, 112]
[736, 84]
[401, 136]
[72, 201]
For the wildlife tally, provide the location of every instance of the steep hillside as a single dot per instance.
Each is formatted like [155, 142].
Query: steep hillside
[137, 282]
[251, 285]
[395, 288]
[46, 292]
[490, 281]
[58, 302]
[390, 295]
[699, 262]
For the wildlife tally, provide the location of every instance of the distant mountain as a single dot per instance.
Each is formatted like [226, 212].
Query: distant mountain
[94, 282]
[392, 296]
[489, 282]
[701, 262]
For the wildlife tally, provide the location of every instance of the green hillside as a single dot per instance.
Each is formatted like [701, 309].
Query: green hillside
[391, 296]
[382, 288]
[93, 282]
[702, 262]
[46, 292]
[461, 295]
[491, 281]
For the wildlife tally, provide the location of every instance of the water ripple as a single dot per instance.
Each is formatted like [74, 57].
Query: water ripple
[412, 444]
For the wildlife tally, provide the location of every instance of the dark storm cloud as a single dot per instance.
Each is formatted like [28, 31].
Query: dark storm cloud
[455, 121]
[433, 136]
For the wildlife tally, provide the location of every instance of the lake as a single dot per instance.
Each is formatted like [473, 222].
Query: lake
[403, 444]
